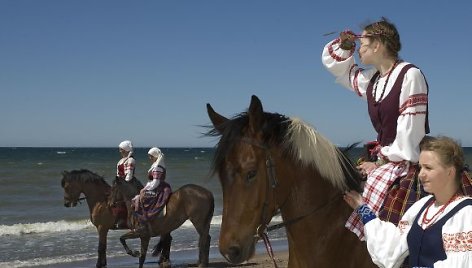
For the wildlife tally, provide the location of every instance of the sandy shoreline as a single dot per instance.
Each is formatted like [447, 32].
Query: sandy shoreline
[189, 259]
[260, 260]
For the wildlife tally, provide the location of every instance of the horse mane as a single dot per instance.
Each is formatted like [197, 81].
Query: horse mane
[83, 175]
[298, 140]
[311, 148]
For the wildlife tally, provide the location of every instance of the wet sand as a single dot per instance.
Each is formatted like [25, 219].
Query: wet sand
[189, 259]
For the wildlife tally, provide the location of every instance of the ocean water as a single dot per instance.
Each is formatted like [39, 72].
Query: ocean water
[37, 230]
[35, 227]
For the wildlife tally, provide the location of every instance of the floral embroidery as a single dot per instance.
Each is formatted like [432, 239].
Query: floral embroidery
[458, 242]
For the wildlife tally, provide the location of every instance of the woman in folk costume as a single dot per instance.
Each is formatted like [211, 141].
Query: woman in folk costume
[155, 193]
[397, 99]
[125, 169]
[436, 231]
[125, 166]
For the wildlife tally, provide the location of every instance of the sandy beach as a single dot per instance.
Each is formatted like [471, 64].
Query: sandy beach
[260, 260]
[189, 258]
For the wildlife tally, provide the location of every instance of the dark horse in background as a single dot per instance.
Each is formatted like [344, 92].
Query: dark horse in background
[268, 162]
[96, 191]
[189, 202]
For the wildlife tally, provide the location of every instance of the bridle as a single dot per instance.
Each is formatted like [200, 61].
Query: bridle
[263, 228]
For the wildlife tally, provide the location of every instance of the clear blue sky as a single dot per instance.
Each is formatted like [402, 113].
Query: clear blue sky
[93, 73]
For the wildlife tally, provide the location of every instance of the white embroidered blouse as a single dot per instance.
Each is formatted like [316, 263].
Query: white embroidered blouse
[387, 243]
[413, 98]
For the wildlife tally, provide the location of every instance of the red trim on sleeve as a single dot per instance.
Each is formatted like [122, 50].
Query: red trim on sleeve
[336, 57]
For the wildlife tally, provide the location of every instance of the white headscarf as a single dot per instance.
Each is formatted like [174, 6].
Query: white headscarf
[156, 152]
[127, 146]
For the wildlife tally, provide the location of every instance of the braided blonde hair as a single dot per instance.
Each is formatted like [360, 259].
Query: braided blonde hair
[386, 33]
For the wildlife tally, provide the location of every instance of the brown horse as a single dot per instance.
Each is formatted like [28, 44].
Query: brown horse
[190, 202]
[96, 191]
[268, 162]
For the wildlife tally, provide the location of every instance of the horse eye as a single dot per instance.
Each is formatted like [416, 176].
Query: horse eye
[251, 175]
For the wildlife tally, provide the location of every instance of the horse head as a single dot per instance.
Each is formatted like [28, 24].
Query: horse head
[268, 162]
[72, 189]
[242, 161]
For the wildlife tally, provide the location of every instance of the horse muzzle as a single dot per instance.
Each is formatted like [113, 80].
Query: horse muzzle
[237, 253]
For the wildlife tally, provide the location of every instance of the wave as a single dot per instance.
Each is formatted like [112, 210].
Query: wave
[66, 226]
[44, 227]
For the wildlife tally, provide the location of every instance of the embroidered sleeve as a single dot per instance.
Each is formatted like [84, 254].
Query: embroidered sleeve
[342, 65]
[387, 243]
[411, 122]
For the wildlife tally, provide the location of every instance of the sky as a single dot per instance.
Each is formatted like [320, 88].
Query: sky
[94, 73]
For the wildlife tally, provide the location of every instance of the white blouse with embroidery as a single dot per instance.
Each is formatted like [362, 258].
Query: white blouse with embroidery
[413, 98]
[387, 244]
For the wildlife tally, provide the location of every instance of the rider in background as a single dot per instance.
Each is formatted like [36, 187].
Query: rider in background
[124, 171]
[153, 197]
[156, 173]
[125, 167]
[397, 99]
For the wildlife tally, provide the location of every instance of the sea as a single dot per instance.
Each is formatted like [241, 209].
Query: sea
[36, 230]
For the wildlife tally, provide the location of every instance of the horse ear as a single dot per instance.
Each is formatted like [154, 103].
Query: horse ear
[217, 119]
[255, 113]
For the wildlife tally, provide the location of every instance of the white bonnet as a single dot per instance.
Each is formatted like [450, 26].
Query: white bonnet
[154, 151]
[126, 145]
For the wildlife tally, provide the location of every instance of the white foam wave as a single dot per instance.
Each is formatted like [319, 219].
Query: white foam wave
[44, 227]
[44, 261]
[216, 220]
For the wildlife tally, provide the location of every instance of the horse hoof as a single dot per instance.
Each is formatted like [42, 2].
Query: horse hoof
[165, 264]
[134, 253]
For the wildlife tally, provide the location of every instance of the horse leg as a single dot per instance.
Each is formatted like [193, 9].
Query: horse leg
[102, 247]
[204, 250]
[129, 235]
[144, 248]
[203, 229]
[156, 251]
[166, 241]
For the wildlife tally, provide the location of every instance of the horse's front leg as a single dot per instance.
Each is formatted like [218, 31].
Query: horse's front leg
[102, 247]
[129, 235]
[144, 248]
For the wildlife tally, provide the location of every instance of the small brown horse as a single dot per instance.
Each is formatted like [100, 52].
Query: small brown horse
[189, 202]
[268, 162]
[96, 191]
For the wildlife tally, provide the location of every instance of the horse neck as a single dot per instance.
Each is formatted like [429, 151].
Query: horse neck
[95, 193]
[315, 214]
[304, 193]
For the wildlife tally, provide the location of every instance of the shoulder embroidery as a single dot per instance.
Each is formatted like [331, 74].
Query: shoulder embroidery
[458, 242]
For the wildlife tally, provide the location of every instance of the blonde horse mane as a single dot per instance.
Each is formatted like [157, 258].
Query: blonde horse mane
[312, 149]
